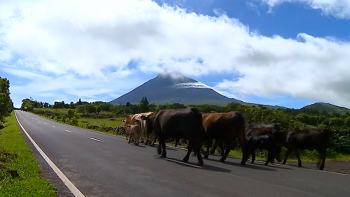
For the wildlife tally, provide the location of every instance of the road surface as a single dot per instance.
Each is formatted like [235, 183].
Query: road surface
[103, 165]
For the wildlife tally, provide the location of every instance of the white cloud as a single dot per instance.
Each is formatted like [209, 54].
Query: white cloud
[191, 85]
[75, 43]
[254, 7]
[337, 8]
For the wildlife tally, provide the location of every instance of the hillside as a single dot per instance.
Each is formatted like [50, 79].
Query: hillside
[329, 108]
[175, 88]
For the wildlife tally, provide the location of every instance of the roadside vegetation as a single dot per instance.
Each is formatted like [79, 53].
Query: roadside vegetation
[104, 117]
[20, 173]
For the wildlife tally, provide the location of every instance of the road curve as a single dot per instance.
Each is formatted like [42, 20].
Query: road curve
[104, 165]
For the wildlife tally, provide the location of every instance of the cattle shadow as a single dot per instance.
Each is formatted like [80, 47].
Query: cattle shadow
[247, 165]
[194, 165]
[167, 147]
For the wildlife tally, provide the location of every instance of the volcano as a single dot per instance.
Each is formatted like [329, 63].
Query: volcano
[174, 88]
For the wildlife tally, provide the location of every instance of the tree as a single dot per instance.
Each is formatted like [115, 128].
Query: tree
[79, 102]
[91, 109]
[80, 109]
[6, 103]
[70, 114]
[71, 105]
[144, 105]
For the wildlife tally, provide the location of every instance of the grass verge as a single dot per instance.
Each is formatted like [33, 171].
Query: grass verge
[15, 154]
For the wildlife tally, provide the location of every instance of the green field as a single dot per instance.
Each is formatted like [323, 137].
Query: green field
[16, 154]
[100, 122]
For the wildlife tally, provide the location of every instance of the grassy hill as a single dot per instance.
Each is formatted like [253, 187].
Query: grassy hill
[329, 108]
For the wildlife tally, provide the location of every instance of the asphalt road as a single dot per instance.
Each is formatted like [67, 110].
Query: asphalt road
[104, 165]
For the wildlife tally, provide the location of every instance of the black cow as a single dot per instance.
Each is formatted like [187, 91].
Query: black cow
[177, 123]
[307, 139]
[272, 134]
[266, 141]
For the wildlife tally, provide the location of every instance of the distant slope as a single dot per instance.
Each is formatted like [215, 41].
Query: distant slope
[329, 108]
[175, 88]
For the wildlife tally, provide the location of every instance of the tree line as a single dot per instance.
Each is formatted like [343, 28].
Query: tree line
[285, 117]
[6, 104]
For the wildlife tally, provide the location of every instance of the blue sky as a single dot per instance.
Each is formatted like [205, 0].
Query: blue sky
[289, 53]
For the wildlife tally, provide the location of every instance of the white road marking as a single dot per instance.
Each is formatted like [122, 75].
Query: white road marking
[95, 139]
[53, 126]
[60, 174]
[45, 123]
[188, 164]
[68, 131]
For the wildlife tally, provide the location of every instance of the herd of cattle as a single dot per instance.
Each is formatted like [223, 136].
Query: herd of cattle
[224, 129]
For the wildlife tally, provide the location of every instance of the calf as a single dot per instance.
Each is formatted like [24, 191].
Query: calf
[267, 141]
[134, 133]
[269, 131]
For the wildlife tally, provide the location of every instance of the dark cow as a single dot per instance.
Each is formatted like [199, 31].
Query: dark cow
[266, 141]
[177, 123]
[311, 139]
[269, 140]
[226, 127]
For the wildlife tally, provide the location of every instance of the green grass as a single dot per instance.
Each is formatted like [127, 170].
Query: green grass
[102, 121]
[16, 154]
[65, 110]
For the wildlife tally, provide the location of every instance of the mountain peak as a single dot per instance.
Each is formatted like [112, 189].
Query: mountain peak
[174, 87]
[175, 76]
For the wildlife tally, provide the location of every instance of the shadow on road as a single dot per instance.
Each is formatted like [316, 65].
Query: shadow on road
[194, 165]
[167, 147]
[247, 165]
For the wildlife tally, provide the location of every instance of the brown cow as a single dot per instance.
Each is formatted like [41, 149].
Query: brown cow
[178, 123]
[307, 139]
[131, 118]
[226, 127]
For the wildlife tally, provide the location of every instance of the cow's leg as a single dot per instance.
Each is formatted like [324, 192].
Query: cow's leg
[252, 152]
[298, 156]
[270, 157]
[137, 139]
[154, 140]
[206, 154]
[196, 147]
[159, 149]
[222, 150]
[213, 148]
[278, 153]
[130, 139]
[176, 141]
[286, 157]
[189, 150]
[228, 146]
[323, 155]
[164, 148]
[245, 148]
